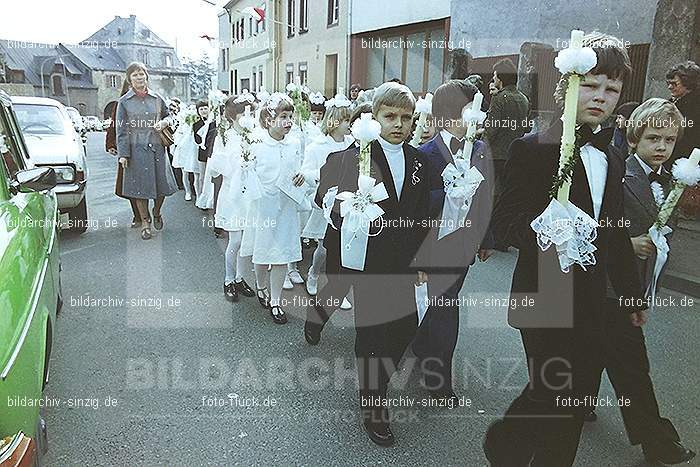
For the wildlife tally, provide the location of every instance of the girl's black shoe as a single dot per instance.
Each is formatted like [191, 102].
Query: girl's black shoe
[230, 292]
[243, 288]
[263, 297]
[278, 315]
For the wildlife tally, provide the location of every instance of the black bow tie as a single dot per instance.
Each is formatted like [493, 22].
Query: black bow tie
[599, 140]
[456, 145]
[660, 178]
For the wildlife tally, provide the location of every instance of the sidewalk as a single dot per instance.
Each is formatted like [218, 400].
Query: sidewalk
[682, 271]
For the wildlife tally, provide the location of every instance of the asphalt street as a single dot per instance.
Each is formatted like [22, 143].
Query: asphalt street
[151, 366]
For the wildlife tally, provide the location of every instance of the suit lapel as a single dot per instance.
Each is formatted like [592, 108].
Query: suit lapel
[580, 190]
[638, 184]
[443, 149]
[382, 173]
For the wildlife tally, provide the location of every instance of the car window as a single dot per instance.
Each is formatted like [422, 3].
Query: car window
[8, 147]
[40, 119]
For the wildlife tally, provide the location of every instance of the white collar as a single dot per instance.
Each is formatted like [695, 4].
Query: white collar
[389, 147]
[647, 169]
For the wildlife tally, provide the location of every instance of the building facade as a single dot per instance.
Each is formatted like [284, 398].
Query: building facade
[89, 75]
[404, 40]
[248, 49]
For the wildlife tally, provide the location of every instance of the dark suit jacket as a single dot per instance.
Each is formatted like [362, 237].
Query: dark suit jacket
[204, 154]
[641, 210]
[689, 106]
[457, 250]
[573, 299]
[393, 251]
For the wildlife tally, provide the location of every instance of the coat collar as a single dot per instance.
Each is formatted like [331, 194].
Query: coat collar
[131, 93]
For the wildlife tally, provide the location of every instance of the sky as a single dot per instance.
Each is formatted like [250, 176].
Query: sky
[178, 22]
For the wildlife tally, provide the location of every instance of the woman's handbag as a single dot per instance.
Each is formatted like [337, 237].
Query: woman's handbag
[166, 135]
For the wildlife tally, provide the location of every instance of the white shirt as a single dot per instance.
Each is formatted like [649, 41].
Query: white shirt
[447, 138]
[397, 163]
[645, 166]
[596, 164]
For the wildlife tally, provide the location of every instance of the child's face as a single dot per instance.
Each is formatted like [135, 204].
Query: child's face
[316, 116]
[597, 98]
[396, 123]
[656, 144]
[354, 92]
[428, 132]
[203, 112]
[281, 124]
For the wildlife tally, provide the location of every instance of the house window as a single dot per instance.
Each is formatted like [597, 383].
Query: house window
[290, 18]
[250, 26]
[303, 16]
[242, 26]
[333, 12]
[303, 68]
[113, 81]
[168, 59]
[290, 73]
[260, 79]
[57, 85]
[255, 81]
[143, 56]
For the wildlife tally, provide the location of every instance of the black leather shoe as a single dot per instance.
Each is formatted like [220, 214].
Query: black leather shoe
[379, 433]
[313, 337]
[667, 452]
[230, 292]
[278, 315]
[263, 298]
[590, 416]
[244, 289]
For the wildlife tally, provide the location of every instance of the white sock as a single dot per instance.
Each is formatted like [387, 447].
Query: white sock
[234, 245]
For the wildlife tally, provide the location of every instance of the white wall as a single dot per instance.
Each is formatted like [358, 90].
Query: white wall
[223, 76]
[369, 15]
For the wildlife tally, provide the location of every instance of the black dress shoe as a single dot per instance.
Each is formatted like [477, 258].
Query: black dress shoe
[278, 315]
[243, 288]
[590, 416]
[218, 233]
[263, 298]
[667, 452]
[230, 292]
[379, 433]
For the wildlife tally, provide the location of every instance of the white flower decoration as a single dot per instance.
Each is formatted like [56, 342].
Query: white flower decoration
[316, 98]
[425, 105]
[263, 95]
[366, 128]
[686, 171]
[338, 101]
[658, 193]
[579, 61]
[473, 115]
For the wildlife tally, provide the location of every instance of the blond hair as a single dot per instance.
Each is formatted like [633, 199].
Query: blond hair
[653, 113]
[333, 117]
[393, 94]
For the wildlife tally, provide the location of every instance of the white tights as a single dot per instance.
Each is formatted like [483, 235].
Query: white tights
[235, 263]
[272, 279]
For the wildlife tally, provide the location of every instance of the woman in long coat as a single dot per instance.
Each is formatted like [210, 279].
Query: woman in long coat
[147, 170]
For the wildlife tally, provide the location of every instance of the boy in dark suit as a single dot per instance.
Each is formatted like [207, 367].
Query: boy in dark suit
[563, 332]
[385, 323]
[450, 257]
[652, 132]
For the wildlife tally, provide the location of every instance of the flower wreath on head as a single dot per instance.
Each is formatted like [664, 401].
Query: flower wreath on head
[262, 95]
[338, 101]
[275, 100]
[245, 97]
[317, 98]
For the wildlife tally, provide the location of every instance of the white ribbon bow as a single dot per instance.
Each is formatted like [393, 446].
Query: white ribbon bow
[327, 203]
[358, 210]
[461, 182]
[571, 230]
[658, 237]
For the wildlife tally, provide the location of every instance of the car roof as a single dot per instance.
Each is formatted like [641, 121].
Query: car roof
[35, 101]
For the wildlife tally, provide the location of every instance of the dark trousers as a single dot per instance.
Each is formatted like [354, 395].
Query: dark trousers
[544, 424]
[176, 171]
[499, 170]
[627, 365]
[436, 337]
[385, 325]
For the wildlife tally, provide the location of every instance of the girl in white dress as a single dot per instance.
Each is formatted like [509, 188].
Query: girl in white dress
[335, 128]
[232, 208]
[186, 149]
[276, 224]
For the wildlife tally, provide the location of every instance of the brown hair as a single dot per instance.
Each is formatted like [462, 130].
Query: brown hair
[506, 71]
[613, 61]
[363, 108]
[133, 67]
[265, 114]
[332, 118]
[688, 73]
[393, 94]
[451, 97]
[232, 109]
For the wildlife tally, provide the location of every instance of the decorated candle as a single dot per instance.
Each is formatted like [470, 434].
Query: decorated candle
[686, 173]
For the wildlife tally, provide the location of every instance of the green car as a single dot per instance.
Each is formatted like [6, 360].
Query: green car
[30, 294]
